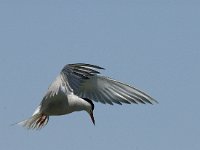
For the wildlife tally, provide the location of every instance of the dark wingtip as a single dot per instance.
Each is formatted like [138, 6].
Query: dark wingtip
[88, 65]
[155, 101]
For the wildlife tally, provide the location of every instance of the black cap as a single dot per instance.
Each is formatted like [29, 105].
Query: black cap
[89, 101]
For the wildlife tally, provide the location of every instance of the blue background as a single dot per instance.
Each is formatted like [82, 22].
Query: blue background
[153, 45]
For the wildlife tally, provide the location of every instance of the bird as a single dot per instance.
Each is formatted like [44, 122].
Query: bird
[76, 87]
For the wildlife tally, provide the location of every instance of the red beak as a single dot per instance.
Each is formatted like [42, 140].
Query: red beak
[92, 117]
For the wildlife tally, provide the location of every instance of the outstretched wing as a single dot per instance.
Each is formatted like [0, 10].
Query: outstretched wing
[86, 82]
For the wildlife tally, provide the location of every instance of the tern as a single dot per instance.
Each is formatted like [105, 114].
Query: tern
[75, 89]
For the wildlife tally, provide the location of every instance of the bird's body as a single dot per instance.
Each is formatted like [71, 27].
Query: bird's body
[75, 88]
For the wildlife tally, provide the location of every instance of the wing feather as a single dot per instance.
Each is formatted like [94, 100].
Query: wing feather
[86, 82]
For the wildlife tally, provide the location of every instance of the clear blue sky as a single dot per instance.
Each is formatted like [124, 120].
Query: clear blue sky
[153, 45]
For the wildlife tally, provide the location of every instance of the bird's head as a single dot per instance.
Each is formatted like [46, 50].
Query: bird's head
[90, 109]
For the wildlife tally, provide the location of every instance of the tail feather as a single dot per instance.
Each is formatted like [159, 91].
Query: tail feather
[37, 121]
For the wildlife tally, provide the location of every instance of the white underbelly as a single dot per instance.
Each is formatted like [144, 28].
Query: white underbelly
[56, 105]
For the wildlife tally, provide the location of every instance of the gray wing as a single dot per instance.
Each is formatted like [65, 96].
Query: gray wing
[86, 82]
[59, 85]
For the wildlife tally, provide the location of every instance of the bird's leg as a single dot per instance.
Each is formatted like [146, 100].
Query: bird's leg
[41, 121]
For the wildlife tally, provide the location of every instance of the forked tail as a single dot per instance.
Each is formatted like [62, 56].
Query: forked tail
[36, 121]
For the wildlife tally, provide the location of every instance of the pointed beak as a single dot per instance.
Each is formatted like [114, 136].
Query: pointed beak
[92, 117]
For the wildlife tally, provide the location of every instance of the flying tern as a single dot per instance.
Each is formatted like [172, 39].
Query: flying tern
[75, 89]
